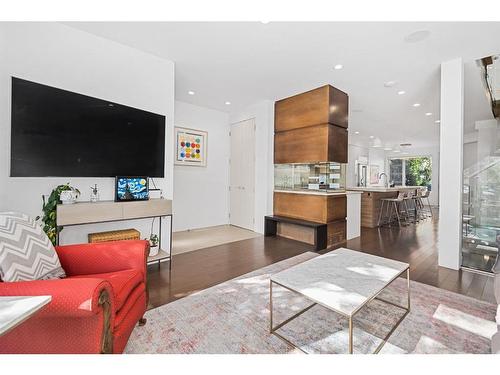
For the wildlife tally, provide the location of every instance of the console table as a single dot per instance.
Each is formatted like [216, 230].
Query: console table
[81, 213]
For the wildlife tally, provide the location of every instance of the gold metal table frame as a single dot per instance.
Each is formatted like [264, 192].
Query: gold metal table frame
[273, 329]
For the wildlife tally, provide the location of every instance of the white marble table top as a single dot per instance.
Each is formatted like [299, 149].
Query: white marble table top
[15, 310]
[342, 280]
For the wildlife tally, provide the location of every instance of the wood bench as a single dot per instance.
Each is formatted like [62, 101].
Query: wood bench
[320, 229]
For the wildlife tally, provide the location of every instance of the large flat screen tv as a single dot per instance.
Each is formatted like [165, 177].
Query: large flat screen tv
[56, 132]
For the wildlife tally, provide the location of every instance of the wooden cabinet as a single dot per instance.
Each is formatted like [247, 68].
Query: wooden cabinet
[311, 127]
[311, 207]
[370, 207]
[336, 232]
[329, 211]
[337, 144]
[324, 105]
[313, 144]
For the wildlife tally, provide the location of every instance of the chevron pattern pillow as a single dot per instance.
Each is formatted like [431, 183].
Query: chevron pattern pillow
[26, 252]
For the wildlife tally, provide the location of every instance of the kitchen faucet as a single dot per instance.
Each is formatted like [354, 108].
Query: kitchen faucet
[386, 184]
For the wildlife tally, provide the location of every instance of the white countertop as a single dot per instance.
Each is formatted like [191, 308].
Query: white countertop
[342, 280]
[15, 310]
[382, 189]
[315, 192]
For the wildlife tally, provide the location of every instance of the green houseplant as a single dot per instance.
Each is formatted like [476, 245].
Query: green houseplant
[49, 210]
[153, 240]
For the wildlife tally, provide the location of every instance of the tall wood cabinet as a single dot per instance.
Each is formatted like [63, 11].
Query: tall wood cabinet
[311, 128]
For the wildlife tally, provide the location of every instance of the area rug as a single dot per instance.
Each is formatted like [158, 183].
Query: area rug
[233, 317]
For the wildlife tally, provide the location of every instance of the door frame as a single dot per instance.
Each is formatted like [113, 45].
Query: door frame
[254, 168]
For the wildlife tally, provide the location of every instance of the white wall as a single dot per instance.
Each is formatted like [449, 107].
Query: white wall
[354, 152]
[451, 163]
[202, 193]
[470, 154]
[263, 113]
[487, 134]
[376, 157]
[60, 56]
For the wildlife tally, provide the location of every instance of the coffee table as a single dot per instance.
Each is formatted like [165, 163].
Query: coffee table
[14, 310]
[343, 281]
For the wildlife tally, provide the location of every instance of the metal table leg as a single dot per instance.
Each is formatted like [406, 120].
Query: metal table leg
[350, 334]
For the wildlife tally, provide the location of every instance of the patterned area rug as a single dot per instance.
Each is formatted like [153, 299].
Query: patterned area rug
[233, 317]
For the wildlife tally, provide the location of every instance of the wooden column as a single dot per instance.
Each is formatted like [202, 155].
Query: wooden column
[309, 128]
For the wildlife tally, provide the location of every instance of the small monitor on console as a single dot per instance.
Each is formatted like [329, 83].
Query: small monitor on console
[131, 188]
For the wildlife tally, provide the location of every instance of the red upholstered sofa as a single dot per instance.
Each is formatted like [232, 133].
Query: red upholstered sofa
[93, 310]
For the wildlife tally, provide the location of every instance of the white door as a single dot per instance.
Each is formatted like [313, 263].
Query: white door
[242, 175]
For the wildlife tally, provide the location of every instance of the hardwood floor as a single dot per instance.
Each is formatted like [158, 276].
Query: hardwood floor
[200, 269]
[415, 244]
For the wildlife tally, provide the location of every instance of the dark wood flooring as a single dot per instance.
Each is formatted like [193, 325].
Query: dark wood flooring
[415, 244]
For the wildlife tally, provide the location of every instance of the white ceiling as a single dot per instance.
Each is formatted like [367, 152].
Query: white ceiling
[247, 62]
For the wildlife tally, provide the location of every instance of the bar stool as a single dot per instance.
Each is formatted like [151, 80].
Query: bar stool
[391, 204]
[419, 205]
[403, 206]
[410, 202]
[425, 195]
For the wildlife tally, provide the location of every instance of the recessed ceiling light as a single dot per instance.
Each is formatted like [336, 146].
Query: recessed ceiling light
[227, 103]
[428, 114]
[402, 92]
[437, 121]
[397, 150]
[377, 143]
[264, 22]
[416, 105]
[338, 66]
[417, 36]
[372, 136]
[356, 132]
[389, 83]
[387, 149]
[111, 105]
[191, 92]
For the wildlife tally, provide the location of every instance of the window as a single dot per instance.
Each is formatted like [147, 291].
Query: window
[411, 171]
[396, 171]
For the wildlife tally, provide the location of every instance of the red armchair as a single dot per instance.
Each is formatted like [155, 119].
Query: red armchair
[93, 310]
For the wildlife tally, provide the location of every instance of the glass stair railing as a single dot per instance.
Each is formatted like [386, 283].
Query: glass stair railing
[481, 214]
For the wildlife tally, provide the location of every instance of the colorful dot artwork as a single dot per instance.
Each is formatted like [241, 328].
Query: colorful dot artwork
[190, 147]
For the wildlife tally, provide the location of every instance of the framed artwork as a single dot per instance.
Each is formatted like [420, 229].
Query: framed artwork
[374, 169]
[191, 147]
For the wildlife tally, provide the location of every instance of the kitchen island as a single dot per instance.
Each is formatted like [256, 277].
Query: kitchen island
[370, 201]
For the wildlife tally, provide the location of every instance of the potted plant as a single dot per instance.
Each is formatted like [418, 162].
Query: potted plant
[49, 206]
[153, 241]
[153, 244]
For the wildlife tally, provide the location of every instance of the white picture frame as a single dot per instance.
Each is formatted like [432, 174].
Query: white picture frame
[185, 153]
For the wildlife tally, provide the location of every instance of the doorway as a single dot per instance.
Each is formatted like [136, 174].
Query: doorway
[242, 175]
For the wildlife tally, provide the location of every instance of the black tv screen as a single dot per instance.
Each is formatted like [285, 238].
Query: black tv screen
[56, 132]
